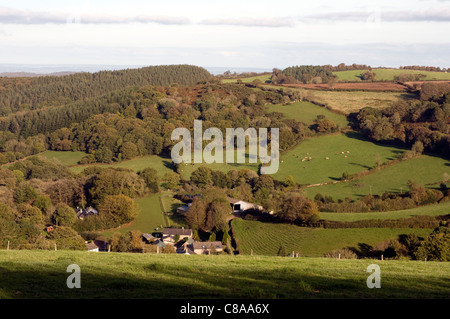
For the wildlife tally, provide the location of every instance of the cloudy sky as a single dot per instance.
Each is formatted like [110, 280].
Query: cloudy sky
[232, 33]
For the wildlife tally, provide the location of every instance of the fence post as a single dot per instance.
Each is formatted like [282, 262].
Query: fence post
[7, 248]
[55, 247]
[381, 256]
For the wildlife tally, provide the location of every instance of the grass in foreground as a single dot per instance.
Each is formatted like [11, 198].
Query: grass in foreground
[266, 238]
[42, 274]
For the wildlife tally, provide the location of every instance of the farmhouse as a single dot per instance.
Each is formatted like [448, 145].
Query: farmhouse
[83, 213]
[96, 246]
[170, 235]
[205, 248]
[240, 206]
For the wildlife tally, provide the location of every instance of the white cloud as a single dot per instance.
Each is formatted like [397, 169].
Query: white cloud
[252, 22]
[17, 16]
[428, 15]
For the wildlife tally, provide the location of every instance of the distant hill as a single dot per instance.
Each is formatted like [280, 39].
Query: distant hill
[33, 75]
[25, 93]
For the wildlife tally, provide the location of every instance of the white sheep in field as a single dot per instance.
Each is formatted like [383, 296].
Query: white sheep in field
[326, 158]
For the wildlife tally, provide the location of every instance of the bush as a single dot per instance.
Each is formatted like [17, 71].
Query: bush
[436, 246]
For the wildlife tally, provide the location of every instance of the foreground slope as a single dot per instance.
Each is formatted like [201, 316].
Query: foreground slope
[42, 274]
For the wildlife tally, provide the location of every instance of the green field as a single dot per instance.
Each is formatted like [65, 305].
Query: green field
[423, 170]
[266, 238]
[151, 216]
[43, 275]
[307, 112]
[262, 78]
[429, 210]
[361, 156]
[388, 74]
[161, 164]
[66, 158]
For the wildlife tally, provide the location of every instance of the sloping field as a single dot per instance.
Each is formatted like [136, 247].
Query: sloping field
[42, 275]
[388, 74]
[307, 112]
[423, 170]
[353, 101]
[66, 158]
[267, 238]
[346, 153]
[161, 164]
[429, 210]
[362, 86]
[262, 78]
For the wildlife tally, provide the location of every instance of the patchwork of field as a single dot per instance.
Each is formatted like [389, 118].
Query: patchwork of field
[266, 238]
[307, 112]
[388, 74]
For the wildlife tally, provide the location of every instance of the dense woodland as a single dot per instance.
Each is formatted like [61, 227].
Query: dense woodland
[421, 125]
[22, 94]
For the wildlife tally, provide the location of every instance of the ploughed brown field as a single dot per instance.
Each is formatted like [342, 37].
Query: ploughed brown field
[375, 86]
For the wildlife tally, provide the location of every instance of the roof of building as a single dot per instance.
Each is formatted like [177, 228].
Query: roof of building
[233, 200]
[148, 236]
[177, 231]
[207, 244]
[92, 246]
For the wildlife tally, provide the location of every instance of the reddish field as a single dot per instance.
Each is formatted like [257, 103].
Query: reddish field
[371, 86]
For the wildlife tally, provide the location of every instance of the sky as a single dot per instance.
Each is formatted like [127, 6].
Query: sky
[232, 33]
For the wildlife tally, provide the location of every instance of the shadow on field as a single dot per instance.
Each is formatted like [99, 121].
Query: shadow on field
[237, 279]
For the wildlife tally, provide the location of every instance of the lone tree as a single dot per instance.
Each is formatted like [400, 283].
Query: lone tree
[209, 212]
[298, 209]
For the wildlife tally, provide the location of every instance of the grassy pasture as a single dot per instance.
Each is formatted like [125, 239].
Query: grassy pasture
[42, 275]
[161, 164]
[352, 101]
[320, 170]
[266, 238]
[262, 78]
[430, 210]
[388, 74]
[307, 112]
[66, 158]
[423, 170]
